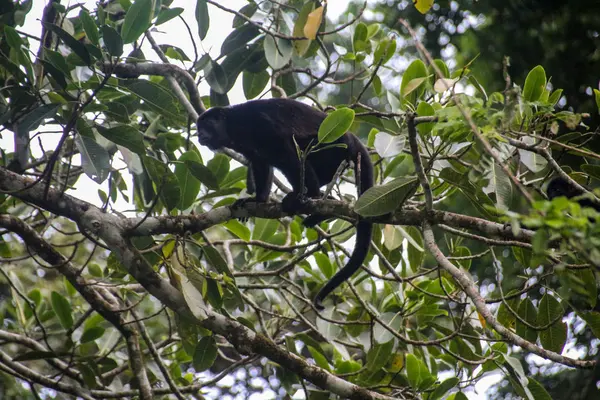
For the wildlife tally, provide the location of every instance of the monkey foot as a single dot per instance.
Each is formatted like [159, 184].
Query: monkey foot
[240, 203]
[292, 203]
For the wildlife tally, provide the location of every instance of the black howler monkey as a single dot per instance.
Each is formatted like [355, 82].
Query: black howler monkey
[561, 187]
[266, 133]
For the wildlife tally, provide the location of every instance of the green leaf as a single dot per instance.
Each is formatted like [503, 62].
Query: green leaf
[596, 97]
[34, 118]
[137, 20]
[384, 51]
[112, 41]
[165, 180]
[413, 77]
[248, 10]
[443, 387]
[219, 165]
[417, 373]
[234, 177]
[383, 199]
[167, 14]
[238, 229]
[203, 174]
[324, 264]
[74, 44]
[155, 96]
[90, 27]
[425, 109]
[537, 390]
[216, 77]
[202, 18]
[554, 337]
[12, 37]
[264, 228]
[205, 353]
[528, 313]
[95, 160]
[126, 136]
[214, 258]
[592, 319]
[360, 37]
[442, 67]
[379, 354]
[254, 84]
[319, 358]
[238, 38]
[89, 335]
[277, 51]
[336, 124]
[189, 185]
[535, 83]
[62, 309]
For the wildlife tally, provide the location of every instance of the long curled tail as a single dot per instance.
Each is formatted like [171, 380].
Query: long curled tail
[364, 230]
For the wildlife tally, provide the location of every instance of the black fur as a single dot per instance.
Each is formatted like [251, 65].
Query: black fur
[266, 133]
[561, 187]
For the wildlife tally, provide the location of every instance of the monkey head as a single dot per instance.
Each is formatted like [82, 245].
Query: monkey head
[212, 128]
[561, 187]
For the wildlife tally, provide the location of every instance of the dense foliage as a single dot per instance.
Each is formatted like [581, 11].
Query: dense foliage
[125, 272]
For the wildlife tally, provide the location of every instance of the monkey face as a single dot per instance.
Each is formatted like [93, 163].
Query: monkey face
[212, 129]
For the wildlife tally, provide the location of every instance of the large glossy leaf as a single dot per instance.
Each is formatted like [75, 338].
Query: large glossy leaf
[205, 354]
[168, 14]
[74, 44]
[278, 51]
[34, 118]
[202, 18]
[137, 20]
[165, 181]
[189, 185]
[90, 27]
[126, 136]
[219, 165]
[248, 10]
[238, 38]
[62, 308]
[335, 125]
[380, 200]
[254, 84]
[112, 41]
[203, 174]
[412, 80]
[215, 77]
[155, 96]
[95, 160]
[555, 336]
[535, 83]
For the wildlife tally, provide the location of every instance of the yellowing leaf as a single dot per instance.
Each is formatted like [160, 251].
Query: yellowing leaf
[396, 363]
[313, 22]
[482, 320]
[423, 5]
[301, 46]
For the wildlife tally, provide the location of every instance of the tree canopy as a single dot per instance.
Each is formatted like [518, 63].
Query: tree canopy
[125, 271]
